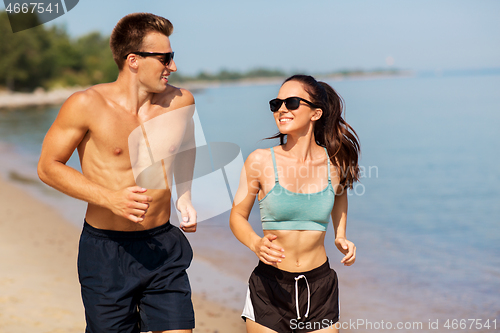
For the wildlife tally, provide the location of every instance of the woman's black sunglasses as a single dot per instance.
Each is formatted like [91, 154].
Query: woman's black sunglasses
[167, 57]
[291, 103]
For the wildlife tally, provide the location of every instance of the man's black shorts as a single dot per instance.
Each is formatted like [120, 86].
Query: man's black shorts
[135, 281]
[272, 298]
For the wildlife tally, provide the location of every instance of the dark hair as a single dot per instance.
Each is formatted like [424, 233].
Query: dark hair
[331, 130]
[129, 32]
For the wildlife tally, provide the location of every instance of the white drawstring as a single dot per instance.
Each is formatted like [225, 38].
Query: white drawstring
[297, 295]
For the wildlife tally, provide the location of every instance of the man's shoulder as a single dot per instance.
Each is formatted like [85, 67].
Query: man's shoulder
[89, 96]
[85, 106]
[175, 97]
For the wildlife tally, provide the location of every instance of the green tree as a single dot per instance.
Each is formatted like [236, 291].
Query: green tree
[20, 52]
[31, 58]
[47, 57]
[98, 63]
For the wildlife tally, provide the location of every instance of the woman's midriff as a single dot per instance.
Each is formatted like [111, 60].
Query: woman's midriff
[304, 249]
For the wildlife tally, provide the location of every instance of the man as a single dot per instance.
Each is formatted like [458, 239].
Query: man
[130, 134]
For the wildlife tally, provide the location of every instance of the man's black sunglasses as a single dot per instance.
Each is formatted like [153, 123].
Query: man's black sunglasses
[291, 103]
[167, 57]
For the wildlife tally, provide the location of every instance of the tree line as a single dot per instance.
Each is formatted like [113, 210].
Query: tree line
[47, 57]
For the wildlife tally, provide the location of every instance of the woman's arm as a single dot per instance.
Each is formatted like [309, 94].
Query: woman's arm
[339, 218]
[248, 189]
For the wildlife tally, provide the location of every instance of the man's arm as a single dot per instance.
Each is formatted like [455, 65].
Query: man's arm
[184, 170]
[63, 137]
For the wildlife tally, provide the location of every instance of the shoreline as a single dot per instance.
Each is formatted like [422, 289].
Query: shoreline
[37, 98]
[40, 97]
[39, 282]
[39, 289]
[398, 275]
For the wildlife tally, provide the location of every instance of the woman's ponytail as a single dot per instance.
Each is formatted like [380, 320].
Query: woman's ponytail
[338, 137]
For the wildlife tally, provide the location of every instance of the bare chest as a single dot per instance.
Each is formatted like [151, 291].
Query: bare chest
[125, 136]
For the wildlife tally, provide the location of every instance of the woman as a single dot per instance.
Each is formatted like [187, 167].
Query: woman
[299, 184]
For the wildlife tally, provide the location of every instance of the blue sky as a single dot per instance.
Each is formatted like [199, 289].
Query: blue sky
[315, 36]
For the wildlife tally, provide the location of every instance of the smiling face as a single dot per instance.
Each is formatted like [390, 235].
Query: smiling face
[151, 72]
[302, 119]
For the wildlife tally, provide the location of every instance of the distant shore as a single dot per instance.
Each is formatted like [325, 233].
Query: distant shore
[40, 97]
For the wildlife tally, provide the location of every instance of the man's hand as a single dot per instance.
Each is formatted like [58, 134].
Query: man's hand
[130, 204]
[188, 223]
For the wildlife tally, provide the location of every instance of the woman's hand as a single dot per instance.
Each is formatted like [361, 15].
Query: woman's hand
[348, 248]
[268, 252]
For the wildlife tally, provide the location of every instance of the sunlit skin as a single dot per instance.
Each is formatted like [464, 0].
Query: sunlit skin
[97, 122]
[302, 168]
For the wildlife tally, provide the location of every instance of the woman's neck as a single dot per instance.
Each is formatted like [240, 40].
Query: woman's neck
[301, 148]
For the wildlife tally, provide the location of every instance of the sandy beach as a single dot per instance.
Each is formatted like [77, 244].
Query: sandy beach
[39, 289]
[40, 97]
[419, 258]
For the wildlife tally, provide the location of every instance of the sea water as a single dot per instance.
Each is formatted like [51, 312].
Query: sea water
[424, 218]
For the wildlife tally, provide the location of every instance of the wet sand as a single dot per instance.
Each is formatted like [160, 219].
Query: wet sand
[39, 289]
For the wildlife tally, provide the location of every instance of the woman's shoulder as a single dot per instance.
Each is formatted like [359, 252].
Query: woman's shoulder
[260, 156]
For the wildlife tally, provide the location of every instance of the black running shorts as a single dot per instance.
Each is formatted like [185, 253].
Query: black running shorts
[135, 281]
[272, 298]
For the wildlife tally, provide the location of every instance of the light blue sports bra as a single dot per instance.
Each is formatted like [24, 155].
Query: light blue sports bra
[282, 209]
